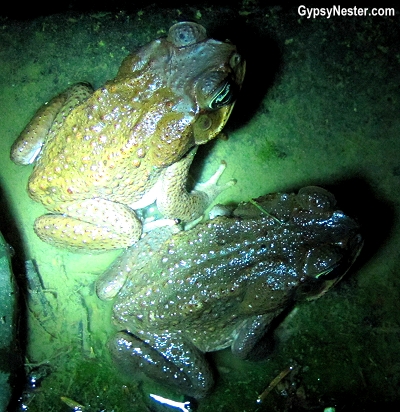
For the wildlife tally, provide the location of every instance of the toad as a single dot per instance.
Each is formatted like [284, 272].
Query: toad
[222, 283]
[100, 156]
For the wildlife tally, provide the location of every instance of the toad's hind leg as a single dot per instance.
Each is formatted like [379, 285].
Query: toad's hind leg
[175, 202]
[166, 358]
[46, 123]
[92, 224]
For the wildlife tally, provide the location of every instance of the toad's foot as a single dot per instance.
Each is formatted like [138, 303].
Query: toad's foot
[210, 187]
[148, 226]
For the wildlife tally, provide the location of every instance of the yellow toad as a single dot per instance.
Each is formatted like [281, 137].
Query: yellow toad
[102, 155]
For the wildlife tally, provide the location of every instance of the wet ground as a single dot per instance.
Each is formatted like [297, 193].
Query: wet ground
[319, 106]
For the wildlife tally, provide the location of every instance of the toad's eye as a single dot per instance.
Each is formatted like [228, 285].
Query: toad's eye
[215, 90]
[222, 97]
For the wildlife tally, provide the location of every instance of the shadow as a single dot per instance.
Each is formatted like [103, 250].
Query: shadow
[12, 236]
[254, 45]
[258, 80]
[374, 214]
[11, 233]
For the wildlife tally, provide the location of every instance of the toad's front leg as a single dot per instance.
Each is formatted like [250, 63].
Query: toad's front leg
[173, 199]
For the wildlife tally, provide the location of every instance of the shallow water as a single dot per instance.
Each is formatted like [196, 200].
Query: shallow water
[323, 111]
